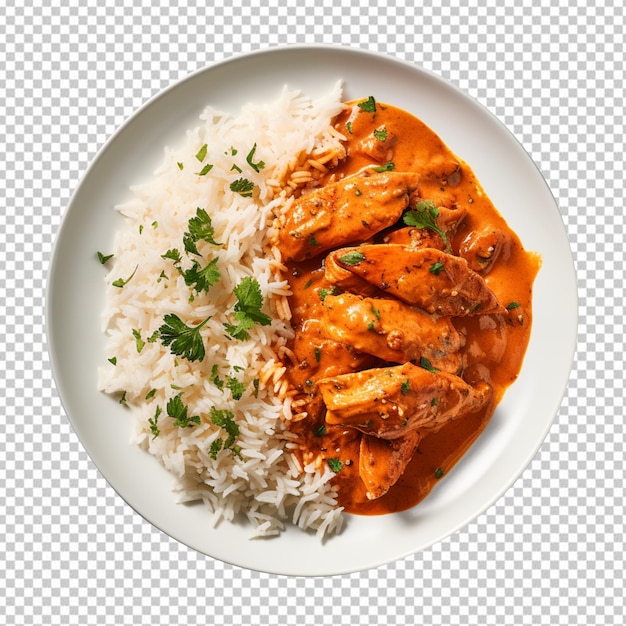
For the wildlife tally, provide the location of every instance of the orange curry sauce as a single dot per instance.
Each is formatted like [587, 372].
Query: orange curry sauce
[494, 344]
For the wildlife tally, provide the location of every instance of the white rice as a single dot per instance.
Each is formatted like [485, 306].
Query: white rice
[264, 480]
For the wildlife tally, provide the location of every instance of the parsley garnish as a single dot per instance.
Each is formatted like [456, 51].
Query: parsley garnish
[154, 429]
[352, 258]
[243, 187]
[104, 258]
[247, 308]
[173, 254]
[201, 154]
[139, 342]
[439, 473]
[177, 410]
[215, 447]
[182, 340]
[259, 165]
[320, 431]
[512, 305]
[406, 387]
[436, 268]
[425, 216]
[335, 464]
[151, 394]
[202, 278]
[236, 387]
[387, 167]
[120, 282]
[215, 377]
[226, 420]
[200, 228]
[381, 133]
[113, 360]
[369, 105]
[206, 169]
[427, 365]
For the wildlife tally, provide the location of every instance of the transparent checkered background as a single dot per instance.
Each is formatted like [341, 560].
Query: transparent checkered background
[549, 552]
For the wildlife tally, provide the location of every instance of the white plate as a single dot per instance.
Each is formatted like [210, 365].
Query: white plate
[75, 300]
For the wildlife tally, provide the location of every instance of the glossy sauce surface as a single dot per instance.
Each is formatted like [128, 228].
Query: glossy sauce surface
[494, 343]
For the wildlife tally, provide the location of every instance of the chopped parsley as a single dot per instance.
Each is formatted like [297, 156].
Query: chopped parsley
[215, 377]
[352, 258]
[113, 360]
[226, 420]
[247, 309]
[153, 421]
[139, 342]
[405, 387]
[104, 258]
[335, 464]
[425, 215]
[436, 268]
[243, 187]
[259, 165]
[173, 254]
[182, 340]
[199, 228]
[206, 169]
[177, 410]
[387, 167]
[439, 473]
[427, 365]
[120, 282]
[369, 105]
[202, 278]
[381, 133]
[151, 394]
[320, 431]
[201, 154]
[236, 387]
[512, 305]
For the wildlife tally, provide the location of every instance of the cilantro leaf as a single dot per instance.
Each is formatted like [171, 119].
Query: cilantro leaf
[236, 387]
[215, 447]
[381, 133]
[120, 282]
[425, 216]
[352, 258]
[201, 154]
[335, 464]
[369, 105]
[178, 410]
[154, 429]
[202, 278]
[226, 420]
[173, 254]
[103, 258]
[387, 167]
[247, 308]
[200, 228]
[243, 187]
[215, 377]
[259, 165]
[182, 340]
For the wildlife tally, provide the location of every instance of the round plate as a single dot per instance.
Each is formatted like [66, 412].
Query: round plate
[75, 300]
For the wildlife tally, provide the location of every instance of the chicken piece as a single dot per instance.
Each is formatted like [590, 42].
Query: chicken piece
[391, 330]
[482, 248]
[427, 278]
[383, 461]
[389, 402]
[346, 280]
[378, 145]
[352, 209]
[447, 221]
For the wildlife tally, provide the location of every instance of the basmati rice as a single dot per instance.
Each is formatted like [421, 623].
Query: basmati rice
[260, 476]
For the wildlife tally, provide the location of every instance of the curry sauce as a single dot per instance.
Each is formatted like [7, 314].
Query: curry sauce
[411, 307]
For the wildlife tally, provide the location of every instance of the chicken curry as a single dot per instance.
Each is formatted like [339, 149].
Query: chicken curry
[411, 309]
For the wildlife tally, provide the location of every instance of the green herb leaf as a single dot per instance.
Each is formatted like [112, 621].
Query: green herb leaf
[154, 429]
[151, 394]
[335, 464]
[243, 187]
[226, 420]
[352, 258]
[215, 447]
[427, 365]
[139, 342]
[236, 387]
[436, 268]
[349, 127]
[215, 377]
[201, 154]
[113, 360]
[182, 340]
[173, 254]
[381, 133]
[387, 167]
[320, 431]
[206, 169]
[425, 216]
[259, 165]
[439, 473]
[405, 387]
[247, 308]
[180, 165]
[178, 410]
[512, 305]
[369, 105]
[202, 278]
[120, 282]
[104, 258]
[200, 228]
